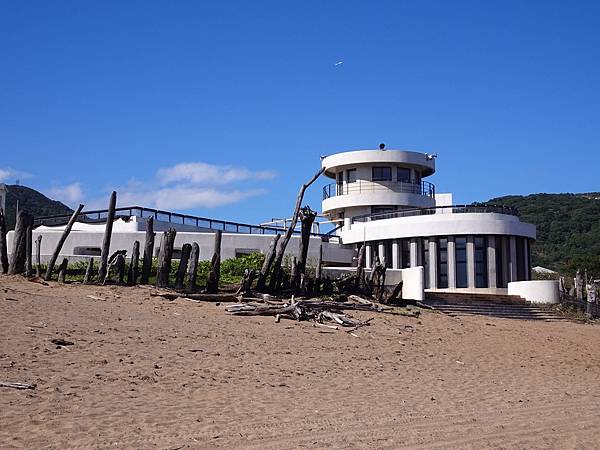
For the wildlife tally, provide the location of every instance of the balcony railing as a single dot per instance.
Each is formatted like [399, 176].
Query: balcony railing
[455, 209]
[359, 186]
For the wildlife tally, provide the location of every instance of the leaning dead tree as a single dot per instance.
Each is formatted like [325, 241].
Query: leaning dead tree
[61, 242]
[110, 218]
[212, 283]
[264, 271]
[3, 244]
[19, 248]
[307, 218]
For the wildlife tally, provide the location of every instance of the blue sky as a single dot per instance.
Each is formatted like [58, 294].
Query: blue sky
[223, 108]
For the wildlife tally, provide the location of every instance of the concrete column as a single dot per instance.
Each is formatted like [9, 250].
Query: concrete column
[491, 262]
[414, 260]
[433, 266]
[368, 262]
[451, 263]
[512, 262]
[381, 252]
[396, 254]
[347, 223]
[504, 255]
[470, 262]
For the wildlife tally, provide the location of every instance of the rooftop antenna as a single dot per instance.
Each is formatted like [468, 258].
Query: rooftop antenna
[382, 146]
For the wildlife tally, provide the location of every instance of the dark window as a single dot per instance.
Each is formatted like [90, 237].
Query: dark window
[520, 259]
[461, 262]
[481, 280]
[425, 256]
[500, 262]
[405, 246]
[403, 174]
[442, 261]
[382, 212]
[382, 173]
[340, 183]
[351, 175]
[417, 176]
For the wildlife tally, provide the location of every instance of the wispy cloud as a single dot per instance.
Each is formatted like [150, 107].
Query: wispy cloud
[7, 174]
[71, 194]
[200, 173]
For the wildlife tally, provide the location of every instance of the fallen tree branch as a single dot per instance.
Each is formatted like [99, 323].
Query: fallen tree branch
[9, 384]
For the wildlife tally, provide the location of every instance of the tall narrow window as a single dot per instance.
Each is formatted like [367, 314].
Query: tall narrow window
[481, 279]
[382, 173]
[351, 176]
[425, 257]
[405, 246]
[442, 263]
[403, 174]
[520, 259]
[460, 248]
[340, 183]
[500, 262]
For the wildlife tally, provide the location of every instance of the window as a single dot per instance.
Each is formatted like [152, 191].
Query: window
[481, 279]
[442, 263]
[461, 262]
[425, 259]
[382, 212]
[351, 176]
[500, 261]
[340, 183]
[403, 174]
[417, 177]
[382, 173]
[405, 248]
[520, 259]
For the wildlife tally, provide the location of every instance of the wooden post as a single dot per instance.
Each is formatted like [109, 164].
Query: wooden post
[192, 268]
[288, 233]
[107, 236]
[579, 286]
[212, 284]
[28, 255]
[61, 241]
[19, 248]
[264, 271]
[3, 244]
[62, 270]
[318, 274]
[88, 271]
[38, 256]
[165, 256]
[132, 274]
[120, 266]
[148, 251]
[360, 268]
[186, 249]
[307, 218]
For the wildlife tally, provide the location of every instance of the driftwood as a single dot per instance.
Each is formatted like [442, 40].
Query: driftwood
[120, 266]
[62, 270]
[186, 249]
[3, 243]
[247, 280]
[264, 271]
[276, 274]
[112, 261]
[396, 293]
[200, 297]
[9, 384]
[103, 270]
[192, 268]
[212, 284]
[317, 283]
[38, 256]
[61, 242]
[165, 256]
[88, 271]
[377, 281]
[132, 273]
[148, 251]
[28, 255]
[19, 248]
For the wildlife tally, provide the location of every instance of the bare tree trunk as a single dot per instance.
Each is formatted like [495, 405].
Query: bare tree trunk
[264, 271]
[186, 249]
[120, 266]
[212, 284]
[107, 236]
[88, 271]
[38, 256]
[318, 275]
[148, 251]
[3, 243]
[192, 268]
[62, 270]
[360, 269]
[288, 234]
[28, 255]
[19, 250]
[165, 256]
[307, 218]
[579, 285]
[61, 242]
[132, 274]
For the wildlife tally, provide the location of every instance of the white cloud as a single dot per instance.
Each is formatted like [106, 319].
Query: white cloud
[11, 175]
[200, 173]
[71, 194]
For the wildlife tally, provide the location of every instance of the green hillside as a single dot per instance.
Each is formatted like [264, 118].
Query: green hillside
[31, 201]
[568, 229]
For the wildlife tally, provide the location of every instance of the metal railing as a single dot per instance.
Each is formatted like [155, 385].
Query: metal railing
[454, 209]
[422, 188]
[100, 215]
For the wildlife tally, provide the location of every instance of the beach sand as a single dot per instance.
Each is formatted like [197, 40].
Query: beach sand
[148, 373]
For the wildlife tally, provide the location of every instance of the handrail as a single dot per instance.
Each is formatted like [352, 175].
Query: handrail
[453, 209]
[99, 215]
[335, 189]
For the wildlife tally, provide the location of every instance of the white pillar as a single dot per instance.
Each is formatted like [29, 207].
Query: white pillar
[470, 262]
[368, 255]
[396, 254]
[491, 262]
[381, 252]
[451, 263]
[513, 259]
[433, 263]
[414, 260]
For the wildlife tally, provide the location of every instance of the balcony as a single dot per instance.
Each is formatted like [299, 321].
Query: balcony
[455, 209]
[424, 188]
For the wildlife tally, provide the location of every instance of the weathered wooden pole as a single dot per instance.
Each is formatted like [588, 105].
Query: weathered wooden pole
[38, 256]
[148, 251]
[307, 218]
[264, 271]
[107, 236]
[62, 270]
[288, 234]
[61, 241]
[88, 271]
[120, 266]
[3, 244]
[579, 286]
[318, 270]
[212, 284]
[192, 268]
[186, 249]
[165, 256]
[19, 248]
[28, 255]
[132, 274]
[360, 284]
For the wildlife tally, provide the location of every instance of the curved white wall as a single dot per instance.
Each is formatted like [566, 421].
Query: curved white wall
[383, 197]
[376, 157]
[536, 291]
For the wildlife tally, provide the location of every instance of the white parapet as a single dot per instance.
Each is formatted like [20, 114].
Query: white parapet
[536, 291]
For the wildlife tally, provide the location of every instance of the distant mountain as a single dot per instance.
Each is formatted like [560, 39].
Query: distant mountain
[568, 229]
[31, 201]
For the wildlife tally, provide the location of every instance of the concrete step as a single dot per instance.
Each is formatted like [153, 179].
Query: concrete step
[462, 297]
[502, 310]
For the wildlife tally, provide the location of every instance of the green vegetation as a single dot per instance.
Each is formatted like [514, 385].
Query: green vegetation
[31, 201]
[568, 229]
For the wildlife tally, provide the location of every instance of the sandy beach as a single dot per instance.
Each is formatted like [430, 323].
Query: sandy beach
[148, 373]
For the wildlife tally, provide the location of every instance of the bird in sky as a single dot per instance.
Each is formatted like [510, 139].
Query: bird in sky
[339, 63]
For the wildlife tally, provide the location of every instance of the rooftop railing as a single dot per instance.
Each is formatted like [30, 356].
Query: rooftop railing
[454, 209]
[421, 188]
